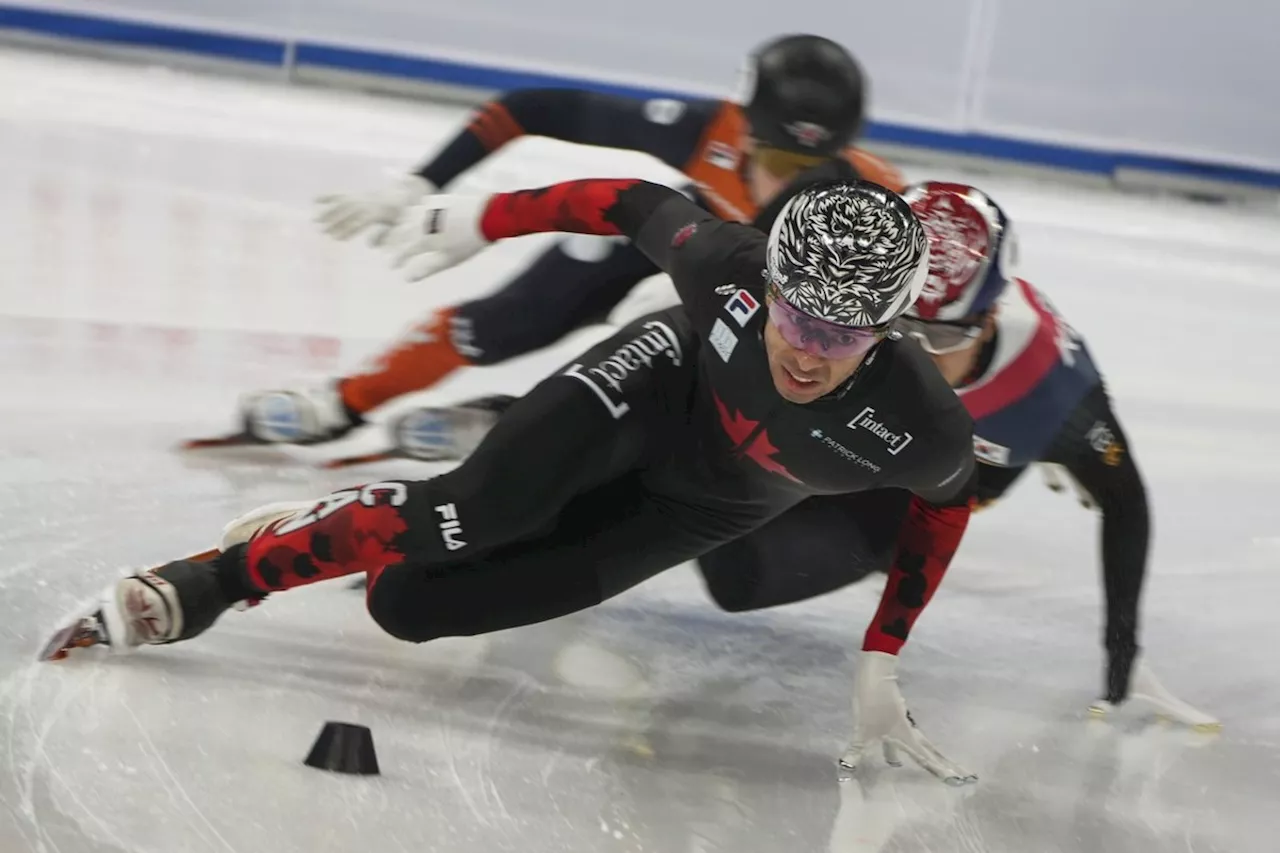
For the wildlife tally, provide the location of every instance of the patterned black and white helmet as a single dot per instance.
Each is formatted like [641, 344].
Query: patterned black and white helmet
[851, 253]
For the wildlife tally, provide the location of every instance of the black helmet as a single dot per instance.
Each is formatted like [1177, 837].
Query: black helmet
[803, 93]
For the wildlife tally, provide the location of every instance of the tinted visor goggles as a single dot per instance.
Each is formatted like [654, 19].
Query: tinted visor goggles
[940, 337]
[820, 338]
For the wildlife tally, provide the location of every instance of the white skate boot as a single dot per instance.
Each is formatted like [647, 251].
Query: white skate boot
[296, 416]
[173, 602]
[245, 527]
[442, 434]
[437, 434]
[300, 416]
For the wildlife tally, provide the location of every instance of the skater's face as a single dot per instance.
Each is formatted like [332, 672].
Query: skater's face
[768, 171]
[954, 347]
[800, 376]
[761, 183]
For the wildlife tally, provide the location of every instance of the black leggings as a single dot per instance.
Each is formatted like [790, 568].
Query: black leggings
[557, 293]
[829, 542]
[823, 544]
[557, 506]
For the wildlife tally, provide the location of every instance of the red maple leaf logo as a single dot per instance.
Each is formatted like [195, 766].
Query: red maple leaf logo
[761, 450]
[367, 535]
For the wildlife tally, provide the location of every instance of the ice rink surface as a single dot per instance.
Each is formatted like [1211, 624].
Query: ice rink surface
[157, 257]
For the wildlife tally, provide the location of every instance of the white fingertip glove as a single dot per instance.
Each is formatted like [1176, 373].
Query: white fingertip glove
[880, 714]
[1145, 690]
[441, 232]
[344, 216]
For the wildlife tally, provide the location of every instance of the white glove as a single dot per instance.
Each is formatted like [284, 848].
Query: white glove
[1146, 691]
[879, 713]
[441, 232]
[344, 216]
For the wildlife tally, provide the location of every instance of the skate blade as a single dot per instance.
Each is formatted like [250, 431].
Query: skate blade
[201, 453]
[75, 636]
[87, 629]
[239, 439]
[1204, 727]
[362, 459]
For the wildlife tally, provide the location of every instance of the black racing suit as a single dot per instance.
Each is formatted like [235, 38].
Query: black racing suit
[805, 552]
[652, 448]
[579, 280]
[1094, 449]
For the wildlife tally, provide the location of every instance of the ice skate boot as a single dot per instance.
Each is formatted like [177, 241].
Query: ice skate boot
[444, 434]
[176, 601]
[245, 527]
[300, 416]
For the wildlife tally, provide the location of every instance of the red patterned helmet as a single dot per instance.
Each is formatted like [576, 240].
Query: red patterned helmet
[971, 251]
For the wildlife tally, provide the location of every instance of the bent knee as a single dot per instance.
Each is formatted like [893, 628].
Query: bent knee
[394, 605]
[732, 583]
[411, 605]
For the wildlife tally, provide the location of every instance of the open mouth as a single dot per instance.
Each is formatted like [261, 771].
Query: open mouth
[798, 380]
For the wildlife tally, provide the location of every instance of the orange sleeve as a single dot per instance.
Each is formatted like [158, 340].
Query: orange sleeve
[876, 169]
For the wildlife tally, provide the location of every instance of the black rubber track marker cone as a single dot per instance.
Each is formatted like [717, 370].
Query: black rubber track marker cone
[344, 748]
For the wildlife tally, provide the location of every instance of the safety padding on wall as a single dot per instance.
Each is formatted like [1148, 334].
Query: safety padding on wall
[371, 66]
[459, 74]
[259, 51]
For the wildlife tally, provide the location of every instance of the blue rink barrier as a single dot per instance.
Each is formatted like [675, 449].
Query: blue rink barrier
[259, 51]
[287, 54]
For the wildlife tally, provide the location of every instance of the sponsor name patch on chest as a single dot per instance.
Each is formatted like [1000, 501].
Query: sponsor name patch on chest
[722, 339]
[655, 344]
[867, 420]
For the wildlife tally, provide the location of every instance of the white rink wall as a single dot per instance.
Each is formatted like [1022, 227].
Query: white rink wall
[1170, 86]
[161, 200]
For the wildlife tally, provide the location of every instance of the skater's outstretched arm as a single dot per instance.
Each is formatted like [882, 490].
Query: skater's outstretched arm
[1093, 448]
[1095, 451]
[680, 237]
[930, 534]
[666, 129]
[927, 540]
